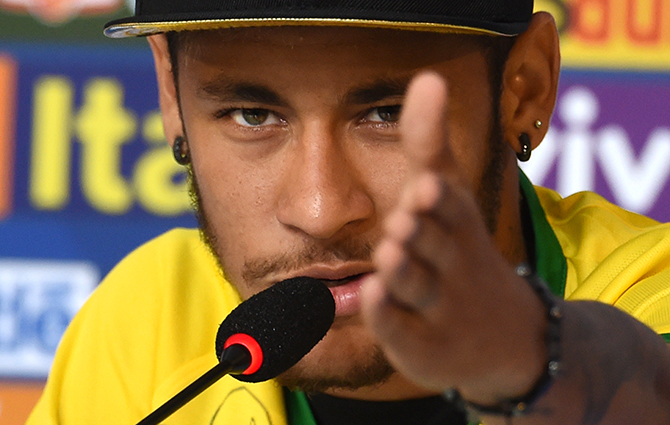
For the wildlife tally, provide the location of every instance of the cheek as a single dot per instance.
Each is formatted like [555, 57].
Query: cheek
[239, 202]
[469, 115]
[469, 138]
[387, 181]
[468, 145]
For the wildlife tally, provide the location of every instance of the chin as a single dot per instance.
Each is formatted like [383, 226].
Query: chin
[345, 359]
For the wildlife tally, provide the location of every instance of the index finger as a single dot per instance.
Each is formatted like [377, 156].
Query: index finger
[423, 123]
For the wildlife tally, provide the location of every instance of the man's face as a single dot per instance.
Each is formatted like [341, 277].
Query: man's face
[295, 148]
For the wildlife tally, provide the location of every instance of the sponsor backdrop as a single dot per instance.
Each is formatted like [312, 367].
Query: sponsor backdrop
[86, 176]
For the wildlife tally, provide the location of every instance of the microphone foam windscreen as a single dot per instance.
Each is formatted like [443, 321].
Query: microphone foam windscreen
[287, 320]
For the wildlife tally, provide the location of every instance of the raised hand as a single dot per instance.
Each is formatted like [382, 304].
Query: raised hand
[448, 309]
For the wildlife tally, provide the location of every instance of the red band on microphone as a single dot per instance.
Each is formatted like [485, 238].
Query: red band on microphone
[254, 349]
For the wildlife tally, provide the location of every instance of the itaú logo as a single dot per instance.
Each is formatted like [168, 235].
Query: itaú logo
[58, 11]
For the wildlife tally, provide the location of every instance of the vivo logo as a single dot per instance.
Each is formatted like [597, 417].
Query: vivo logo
[584, 154]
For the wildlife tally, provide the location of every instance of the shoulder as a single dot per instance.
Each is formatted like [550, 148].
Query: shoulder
[588, 210]
[589, 228]
[174, 250]
[173, 261]
[170, 283]
[613, 255]
[152, 318]
[160, 293]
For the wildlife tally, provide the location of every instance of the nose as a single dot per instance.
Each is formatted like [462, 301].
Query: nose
[324, 191]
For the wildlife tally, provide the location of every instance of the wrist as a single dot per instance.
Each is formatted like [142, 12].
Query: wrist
[534, 385]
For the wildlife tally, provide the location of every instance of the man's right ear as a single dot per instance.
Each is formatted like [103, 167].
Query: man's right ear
[167, 91]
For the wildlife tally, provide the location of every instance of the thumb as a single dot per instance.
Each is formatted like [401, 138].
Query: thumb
[423, 123]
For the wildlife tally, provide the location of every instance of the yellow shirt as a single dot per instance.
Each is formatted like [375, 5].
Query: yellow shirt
[149, 329]
[146, 332]
[612, 256]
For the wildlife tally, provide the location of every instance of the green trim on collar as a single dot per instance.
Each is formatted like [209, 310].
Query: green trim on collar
[297, 408]
[666, 337]
[550, 262]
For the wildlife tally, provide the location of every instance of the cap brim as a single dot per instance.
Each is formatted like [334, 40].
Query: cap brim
[135, 27]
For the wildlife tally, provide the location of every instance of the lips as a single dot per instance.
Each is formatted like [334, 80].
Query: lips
[332, 283]
[344, 284]
[346, 293]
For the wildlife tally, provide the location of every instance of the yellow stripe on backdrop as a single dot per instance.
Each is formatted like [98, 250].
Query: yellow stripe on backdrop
[617, 34]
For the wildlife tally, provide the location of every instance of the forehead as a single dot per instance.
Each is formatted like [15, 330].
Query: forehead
[314, 56]
[367, 43]
[321, 35]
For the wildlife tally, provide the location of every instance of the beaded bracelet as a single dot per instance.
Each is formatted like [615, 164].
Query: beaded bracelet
[518, 406]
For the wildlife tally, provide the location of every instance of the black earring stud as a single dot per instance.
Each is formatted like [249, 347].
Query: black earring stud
[180, 151]
[524, 155]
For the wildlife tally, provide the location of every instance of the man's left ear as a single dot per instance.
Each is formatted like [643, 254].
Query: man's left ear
[530, 83]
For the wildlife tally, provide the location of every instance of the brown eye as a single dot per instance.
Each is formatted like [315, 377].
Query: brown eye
[254, 117]
[389, 114]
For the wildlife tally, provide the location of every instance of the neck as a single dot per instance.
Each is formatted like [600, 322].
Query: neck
[509, 235]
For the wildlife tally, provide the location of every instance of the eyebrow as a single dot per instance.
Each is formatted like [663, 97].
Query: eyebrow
[377, 90]
[240, 92]
[255, 93]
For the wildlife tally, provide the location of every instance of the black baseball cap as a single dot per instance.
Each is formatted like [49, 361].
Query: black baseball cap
[493, 17]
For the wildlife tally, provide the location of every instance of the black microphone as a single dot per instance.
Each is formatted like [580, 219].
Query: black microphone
[263, 337]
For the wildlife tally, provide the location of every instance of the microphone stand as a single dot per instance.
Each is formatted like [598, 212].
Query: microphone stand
[235, 358]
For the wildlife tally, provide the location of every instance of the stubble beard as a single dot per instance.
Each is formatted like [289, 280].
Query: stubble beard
[371, 369]
[375, 369]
